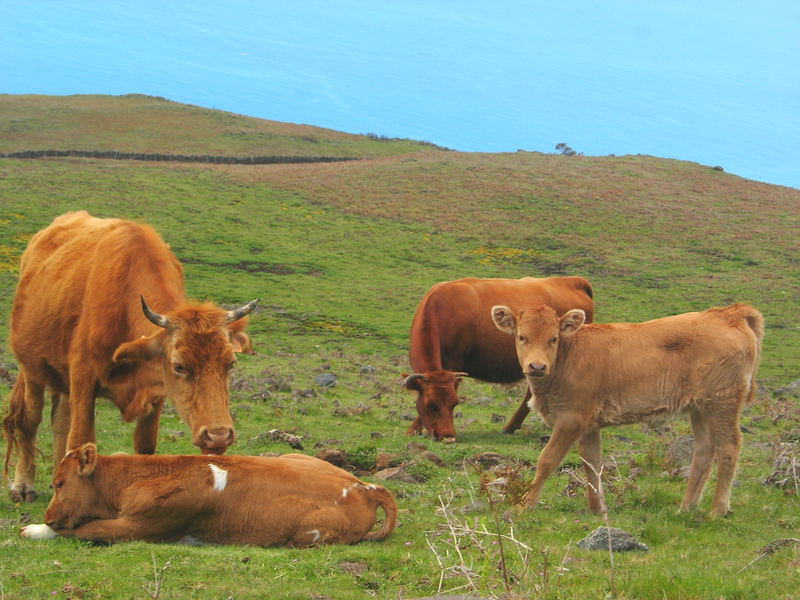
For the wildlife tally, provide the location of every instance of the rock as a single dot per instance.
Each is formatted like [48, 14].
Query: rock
[680, 451]
[353, 568]
[786, 468]
[367, 370]
[489, 459]
[416, 447]
[432, 457]
[295, 441]
[334, 456]
[621, 541]
[376, 435]
[325, 380]
[384, 460]
[394, 474]
[792, 389]
[496, 418]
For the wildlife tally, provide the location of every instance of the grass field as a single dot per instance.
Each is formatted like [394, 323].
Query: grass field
[340, 254]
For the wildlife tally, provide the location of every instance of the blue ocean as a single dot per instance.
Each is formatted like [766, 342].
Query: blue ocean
[713, 82]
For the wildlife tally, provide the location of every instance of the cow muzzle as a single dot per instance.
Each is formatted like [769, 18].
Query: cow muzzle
[536, 369]
[215, 440]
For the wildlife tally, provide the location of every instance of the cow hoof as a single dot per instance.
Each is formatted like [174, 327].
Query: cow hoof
[24, 494]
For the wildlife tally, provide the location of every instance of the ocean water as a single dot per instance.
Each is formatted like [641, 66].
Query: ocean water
[713, 82]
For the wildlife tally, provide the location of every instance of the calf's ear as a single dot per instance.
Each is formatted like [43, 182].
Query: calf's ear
[504, 319]
[144, 348]
[87, 459]
[571, 321]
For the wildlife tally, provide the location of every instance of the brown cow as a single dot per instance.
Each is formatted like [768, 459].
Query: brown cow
[80, 327]
[587, 377]
[291, 500]
[452, 336]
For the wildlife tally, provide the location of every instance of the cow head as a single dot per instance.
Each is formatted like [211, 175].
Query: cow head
[536, 333]
[76, 498]
[437, 396]
[195, 346]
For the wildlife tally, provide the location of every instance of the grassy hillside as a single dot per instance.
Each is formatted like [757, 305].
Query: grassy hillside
[340, 255]
[137, 123]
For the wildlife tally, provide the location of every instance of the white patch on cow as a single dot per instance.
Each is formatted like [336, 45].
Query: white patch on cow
[316, 534]
[38, 531]
[345, 491]
[532, 401]
[220, 477]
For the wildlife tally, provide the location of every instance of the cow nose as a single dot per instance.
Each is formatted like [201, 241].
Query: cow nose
[216, 440]
[537, 369]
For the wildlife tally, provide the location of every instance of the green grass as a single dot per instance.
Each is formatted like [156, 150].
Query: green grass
[340, 255]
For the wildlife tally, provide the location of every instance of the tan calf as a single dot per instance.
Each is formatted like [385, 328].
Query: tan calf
[291, 500]
[584, 377]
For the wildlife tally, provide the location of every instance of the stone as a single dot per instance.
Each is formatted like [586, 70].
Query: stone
[621, 541]
[394, 474]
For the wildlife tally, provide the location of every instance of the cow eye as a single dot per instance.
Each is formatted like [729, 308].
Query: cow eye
[179, 369]
[230, 366]
[522, 339]
[553, 341]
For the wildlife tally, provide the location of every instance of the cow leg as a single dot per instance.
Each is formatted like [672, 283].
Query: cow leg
[81, 405]
[145, 437]
[727, 439]
[701, 460]
[59, 421]
[515, 422]
[122, 529]
[329, 525]
[27, 404]
[592, 454]
[567, 429]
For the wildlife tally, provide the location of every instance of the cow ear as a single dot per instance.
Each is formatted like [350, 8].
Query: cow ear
[238, 338]
[504, 319]
[87, 459]
[571, 321]
[144, 348]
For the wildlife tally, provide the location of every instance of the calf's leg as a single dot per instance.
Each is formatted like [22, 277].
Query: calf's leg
[701, 459]
[727, 443]
[566, 430]
[515, 422]
[592, 455]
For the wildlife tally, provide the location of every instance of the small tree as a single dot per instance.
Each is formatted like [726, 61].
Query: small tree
[565, 150]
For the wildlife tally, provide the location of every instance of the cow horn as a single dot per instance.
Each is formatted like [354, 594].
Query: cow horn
[242, 311]
[411, 378]
[154, 317]
[460, 374]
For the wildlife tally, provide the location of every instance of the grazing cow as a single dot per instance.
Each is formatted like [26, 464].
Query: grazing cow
[80, 326]
[587, 377]
[453, 336]
[290, 500]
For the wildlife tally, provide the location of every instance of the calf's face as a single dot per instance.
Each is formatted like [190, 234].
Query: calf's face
[536, 334]
[75, 497]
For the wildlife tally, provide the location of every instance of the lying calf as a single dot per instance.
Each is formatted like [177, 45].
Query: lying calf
[291, 500]
[584, 377]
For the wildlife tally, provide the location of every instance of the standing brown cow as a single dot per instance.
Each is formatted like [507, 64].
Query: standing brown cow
[452, 335]
[80, 327]
[587, 377]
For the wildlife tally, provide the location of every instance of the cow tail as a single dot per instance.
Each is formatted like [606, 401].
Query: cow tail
[385, 500]
[755, 321]
[16, 422]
